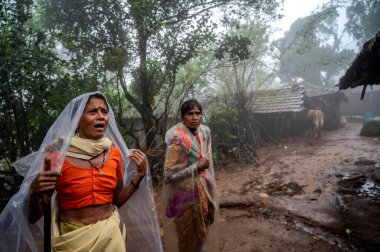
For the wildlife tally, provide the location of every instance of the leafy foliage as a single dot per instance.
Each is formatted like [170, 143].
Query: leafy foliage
[312, 49]
[34, 85]
[235, 47]
[223, 125]
[142, 43]
[240, 73]
[363, 19]
[234, 136]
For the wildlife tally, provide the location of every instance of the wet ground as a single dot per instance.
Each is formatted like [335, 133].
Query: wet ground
[306, 195]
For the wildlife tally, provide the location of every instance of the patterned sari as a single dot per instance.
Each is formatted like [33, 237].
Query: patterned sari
[190, 201]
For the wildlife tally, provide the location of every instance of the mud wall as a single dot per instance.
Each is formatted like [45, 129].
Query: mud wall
[273, 126]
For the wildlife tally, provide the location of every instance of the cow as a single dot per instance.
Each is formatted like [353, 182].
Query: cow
[343, 122]
[316, 117]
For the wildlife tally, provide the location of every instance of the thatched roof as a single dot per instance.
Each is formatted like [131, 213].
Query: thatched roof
[312, 90]
[289, 99]
[293, 97]
[365, 69]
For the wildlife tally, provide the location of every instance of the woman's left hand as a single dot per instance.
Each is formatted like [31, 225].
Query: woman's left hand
[139, 158]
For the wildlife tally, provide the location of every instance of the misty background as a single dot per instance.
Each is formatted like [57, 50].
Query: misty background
[149, 56]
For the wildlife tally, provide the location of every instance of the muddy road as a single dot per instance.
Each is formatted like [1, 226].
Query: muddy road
[306, 195]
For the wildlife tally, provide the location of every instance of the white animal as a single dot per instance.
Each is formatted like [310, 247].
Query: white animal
[343, 122]
[317, 117]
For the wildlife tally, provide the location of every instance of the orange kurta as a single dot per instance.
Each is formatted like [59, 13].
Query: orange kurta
[81, 187]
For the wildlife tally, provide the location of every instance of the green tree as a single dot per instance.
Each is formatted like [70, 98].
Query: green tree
[363, 19]
[313, 49]
[142, 43]
[245, 65]
[34, 85]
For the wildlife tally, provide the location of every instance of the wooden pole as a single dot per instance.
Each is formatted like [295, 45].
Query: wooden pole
[47, 212]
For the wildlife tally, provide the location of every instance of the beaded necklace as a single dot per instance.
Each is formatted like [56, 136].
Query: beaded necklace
[100, 169]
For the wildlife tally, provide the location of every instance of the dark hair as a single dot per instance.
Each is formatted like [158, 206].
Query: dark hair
[77, 103]
[98, 95]
[189, 105]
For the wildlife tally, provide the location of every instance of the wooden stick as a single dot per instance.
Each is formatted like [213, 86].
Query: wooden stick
[46, 201]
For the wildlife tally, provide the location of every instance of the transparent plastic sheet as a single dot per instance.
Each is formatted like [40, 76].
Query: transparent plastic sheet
[180, 187]
[138, 213]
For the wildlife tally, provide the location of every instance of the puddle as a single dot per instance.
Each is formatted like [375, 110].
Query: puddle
[369, 189]
[359, 186]
[358, 189]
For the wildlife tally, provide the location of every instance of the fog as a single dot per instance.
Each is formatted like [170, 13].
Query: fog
[295, 138]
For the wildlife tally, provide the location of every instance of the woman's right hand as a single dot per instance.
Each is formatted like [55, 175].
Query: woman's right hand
[203, 164]
[44, 182]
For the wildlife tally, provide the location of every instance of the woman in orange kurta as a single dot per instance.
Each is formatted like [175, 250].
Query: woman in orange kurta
[94, 176]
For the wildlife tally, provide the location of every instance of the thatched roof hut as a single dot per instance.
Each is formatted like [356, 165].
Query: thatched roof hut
[326, 98]
[289, 104]
[287, 99]
[365, 69]
[277, 111]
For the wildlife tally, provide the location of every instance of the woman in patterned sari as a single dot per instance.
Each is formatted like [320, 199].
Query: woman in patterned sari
[190, 200]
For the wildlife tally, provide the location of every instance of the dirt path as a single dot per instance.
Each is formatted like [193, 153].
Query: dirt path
[295, 199]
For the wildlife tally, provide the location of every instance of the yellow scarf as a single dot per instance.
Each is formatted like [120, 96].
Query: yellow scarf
[86, 148]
